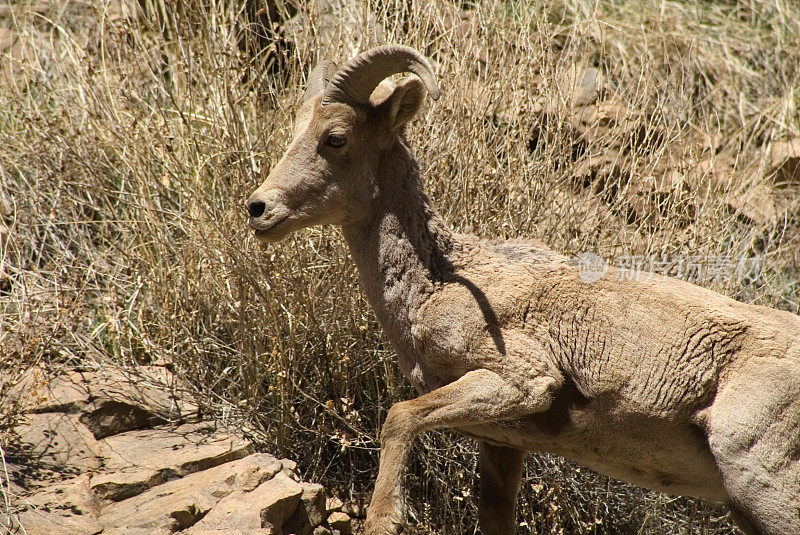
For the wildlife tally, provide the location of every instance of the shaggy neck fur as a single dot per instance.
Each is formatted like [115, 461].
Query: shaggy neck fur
[402, 253]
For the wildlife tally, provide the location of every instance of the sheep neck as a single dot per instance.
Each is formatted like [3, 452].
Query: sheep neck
[402, 252]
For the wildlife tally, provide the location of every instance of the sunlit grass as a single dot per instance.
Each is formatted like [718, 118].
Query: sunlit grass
[130, 136]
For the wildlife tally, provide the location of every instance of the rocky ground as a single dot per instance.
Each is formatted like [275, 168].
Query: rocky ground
[98, 452]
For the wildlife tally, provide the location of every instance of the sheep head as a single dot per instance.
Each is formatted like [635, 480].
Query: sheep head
[330, 173]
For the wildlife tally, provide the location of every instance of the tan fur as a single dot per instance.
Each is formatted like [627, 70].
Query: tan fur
[661, 383]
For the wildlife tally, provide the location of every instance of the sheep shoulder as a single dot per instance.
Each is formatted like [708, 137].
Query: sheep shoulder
[657, 345]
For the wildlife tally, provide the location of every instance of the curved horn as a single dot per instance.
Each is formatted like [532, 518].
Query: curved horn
[318, 78]
[355, 81]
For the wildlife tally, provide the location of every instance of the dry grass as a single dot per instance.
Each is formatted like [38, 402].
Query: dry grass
[130, 135]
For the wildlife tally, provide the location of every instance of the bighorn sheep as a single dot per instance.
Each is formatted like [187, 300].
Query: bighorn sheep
[660, 383]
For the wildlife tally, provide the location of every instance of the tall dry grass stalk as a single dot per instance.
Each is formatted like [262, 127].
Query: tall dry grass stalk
[131, 133]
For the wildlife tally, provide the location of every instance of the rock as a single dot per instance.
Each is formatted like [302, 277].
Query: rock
[332, 17]
[290, 467]
[145, 458]
[310, 512]
[267, 506]
[65, 507]
[321, 530]
[15, 67]
[340, 522]
[757, 205]
[52, 522]
[226, 531]
[355, 509]
[152, 388]
[785, 162]
[72, 494]
[581, 85]
[118, 486]
[586, 91]
[180, 503]
[40, 392]
[111, 417]
[333, 504]
[59, 441]
[480, 98]
[714, 175]
[283, 501]
[191, 478]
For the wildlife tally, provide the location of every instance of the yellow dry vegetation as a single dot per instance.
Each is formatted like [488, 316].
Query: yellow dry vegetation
[665, 133]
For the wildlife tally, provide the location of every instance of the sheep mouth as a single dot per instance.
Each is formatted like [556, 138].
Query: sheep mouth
[263, 231]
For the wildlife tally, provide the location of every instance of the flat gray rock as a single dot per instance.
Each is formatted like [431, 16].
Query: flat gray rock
[93, 454]
[152, 388]
[59, 441]
[65, 507]
[267, 506]
[179, 504]
[139, 460]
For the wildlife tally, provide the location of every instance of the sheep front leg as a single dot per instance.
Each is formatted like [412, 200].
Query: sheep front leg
[480, 396]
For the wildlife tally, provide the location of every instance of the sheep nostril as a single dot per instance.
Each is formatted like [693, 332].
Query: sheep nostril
[256, 208]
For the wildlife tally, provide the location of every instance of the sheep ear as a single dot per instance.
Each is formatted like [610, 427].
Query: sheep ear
[404, 103]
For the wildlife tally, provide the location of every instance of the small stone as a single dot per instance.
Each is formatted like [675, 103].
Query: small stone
[333, 504]
[586, 90]
[289, 465]
[310, 512]
[785, 162]
[757, 205]
[355, 509]
[321, 530]
[341, 522]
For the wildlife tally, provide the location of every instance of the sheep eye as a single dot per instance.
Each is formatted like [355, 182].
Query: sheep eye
[336, 140]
